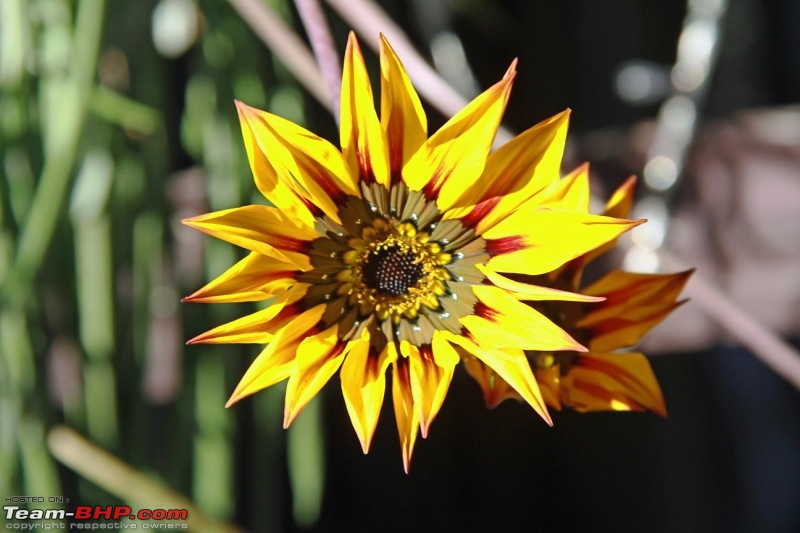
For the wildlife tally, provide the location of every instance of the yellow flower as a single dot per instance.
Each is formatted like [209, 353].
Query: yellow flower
[629, 305]
[386, 254]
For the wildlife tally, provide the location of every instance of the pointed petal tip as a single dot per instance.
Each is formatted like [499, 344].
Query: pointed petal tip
[289, 415]
[423, 430]
[190, 221]
[192, 298]
[236, 396]
[288, 418]
[352, 42]
[199, 339]
[364, 445]
[245, 111]
[545, 414]
[578, 347]
[512, 68]
[241, 107]
[364, 440]
[406, 463]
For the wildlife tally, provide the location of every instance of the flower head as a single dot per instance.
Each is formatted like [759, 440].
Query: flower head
[387, 254]
[629, 304]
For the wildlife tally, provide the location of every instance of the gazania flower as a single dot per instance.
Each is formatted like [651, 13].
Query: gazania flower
[386, 254]
[604, 378]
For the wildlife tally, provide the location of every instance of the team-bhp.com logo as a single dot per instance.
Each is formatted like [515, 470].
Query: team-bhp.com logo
[90, 516]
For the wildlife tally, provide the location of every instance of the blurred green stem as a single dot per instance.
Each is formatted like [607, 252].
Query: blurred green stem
[305, 450]
[60, 155]
[118, 109]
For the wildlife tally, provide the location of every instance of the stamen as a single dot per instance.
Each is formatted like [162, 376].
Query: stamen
[391, 270]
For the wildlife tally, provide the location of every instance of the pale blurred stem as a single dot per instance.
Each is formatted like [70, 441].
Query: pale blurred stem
[765, 344]
[37, 231]
[286, 45]
[319, 34]
[120, 479]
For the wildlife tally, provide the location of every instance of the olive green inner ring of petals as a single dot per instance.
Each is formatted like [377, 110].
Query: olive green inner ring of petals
[403, 221]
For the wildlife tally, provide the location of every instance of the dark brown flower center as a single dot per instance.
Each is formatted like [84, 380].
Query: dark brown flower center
[392, 271]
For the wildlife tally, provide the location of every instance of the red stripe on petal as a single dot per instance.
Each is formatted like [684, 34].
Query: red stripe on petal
[484, 311]
[365, 168]
[480, 211]
[426, 354]
[316, 212]
[505, 245]
[327, 184]
[396, 152]
[290, 311]
[434, 184]
[290, 245]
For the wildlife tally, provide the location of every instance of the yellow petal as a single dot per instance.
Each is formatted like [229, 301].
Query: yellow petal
[363, 386]
[620, 203]
[503, 321]
[495, 389]
[525, 291]
[618, 206]
[261, 229]
[512, 366]
[429, 381]
[627, 288]
[258, 327]
[404, 412]
[256, 277]
[634, 304]
[452, 160]
[514, 173]
[318, 358]
[274, 185]
[307, 165]
[570, 193]
[276, 361]
[549, 383]
[360, 132]
[613, 382]
[541, 240]
[626, 331]
[403, 121]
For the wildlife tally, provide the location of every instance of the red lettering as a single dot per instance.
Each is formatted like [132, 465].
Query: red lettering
[177, 514]
[82, 512]
[121, 511]
[100, 512]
